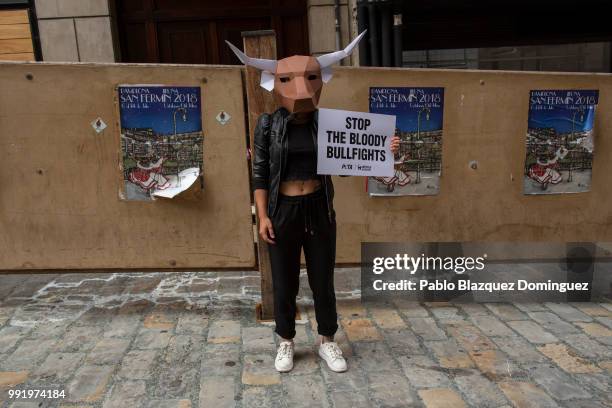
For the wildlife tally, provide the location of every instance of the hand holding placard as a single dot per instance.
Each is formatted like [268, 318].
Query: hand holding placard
[355, 143]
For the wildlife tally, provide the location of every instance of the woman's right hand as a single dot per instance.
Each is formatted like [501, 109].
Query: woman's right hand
[266, 230]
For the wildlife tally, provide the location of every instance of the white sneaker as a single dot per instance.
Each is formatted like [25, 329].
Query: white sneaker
[284, 357]
[331, 353]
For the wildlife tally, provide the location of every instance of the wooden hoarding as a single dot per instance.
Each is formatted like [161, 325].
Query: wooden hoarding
[59, 190]
[481, 190]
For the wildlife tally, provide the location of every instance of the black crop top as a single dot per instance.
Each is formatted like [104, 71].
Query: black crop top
[302, 156]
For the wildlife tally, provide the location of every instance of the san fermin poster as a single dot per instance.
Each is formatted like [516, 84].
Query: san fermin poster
[560, 141]
[161, 139]
[419, 124]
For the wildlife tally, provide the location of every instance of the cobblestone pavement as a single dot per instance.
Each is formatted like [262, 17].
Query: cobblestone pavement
[192, 340]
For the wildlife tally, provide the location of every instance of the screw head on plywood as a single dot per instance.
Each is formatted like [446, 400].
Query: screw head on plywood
[223, 117]
[98, 125]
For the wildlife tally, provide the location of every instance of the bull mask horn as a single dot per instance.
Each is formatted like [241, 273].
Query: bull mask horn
[267, 66]
[327, 60]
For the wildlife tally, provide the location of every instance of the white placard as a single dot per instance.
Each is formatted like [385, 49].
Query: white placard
[355, 143]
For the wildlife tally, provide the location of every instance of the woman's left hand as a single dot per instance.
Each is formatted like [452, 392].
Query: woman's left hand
[395, 143]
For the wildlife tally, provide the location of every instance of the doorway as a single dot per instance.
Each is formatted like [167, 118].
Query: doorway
[194, 31]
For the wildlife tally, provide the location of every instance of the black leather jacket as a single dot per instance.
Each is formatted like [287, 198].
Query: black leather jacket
[270, 157]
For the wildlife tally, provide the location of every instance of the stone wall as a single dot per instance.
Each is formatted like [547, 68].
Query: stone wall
[321, 27]
[75, 30]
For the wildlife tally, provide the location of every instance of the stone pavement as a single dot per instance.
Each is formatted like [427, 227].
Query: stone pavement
[192, 340]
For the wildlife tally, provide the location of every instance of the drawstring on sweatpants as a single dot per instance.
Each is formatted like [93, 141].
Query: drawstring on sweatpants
[309, 207]
[306, 206]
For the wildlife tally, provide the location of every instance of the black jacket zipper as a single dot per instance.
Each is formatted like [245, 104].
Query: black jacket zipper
[283, 148]
[314, 140]
[282, 163]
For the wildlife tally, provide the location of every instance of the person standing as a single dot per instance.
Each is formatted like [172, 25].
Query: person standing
[294, 203]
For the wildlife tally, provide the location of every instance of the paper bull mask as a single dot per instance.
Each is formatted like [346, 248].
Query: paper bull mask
[297, 81]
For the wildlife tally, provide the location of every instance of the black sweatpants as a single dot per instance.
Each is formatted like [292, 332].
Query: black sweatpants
[302, 222]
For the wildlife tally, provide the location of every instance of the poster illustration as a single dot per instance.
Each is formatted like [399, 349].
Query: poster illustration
[419, 123]
[559, 141]
[161, 139]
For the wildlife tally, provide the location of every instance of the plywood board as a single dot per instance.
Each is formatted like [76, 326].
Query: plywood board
[485, 121]
[59, 179]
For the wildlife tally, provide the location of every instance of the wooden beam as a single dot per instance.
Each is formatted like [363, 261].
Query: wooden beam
[14, 17]
[12, 31]
[260, 44]
[16, 46]
[18, 57]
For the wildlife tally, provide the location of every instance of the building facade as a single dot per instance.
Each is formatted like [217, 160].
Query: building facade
[545, 35]
[509, 34]
[164, 31]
